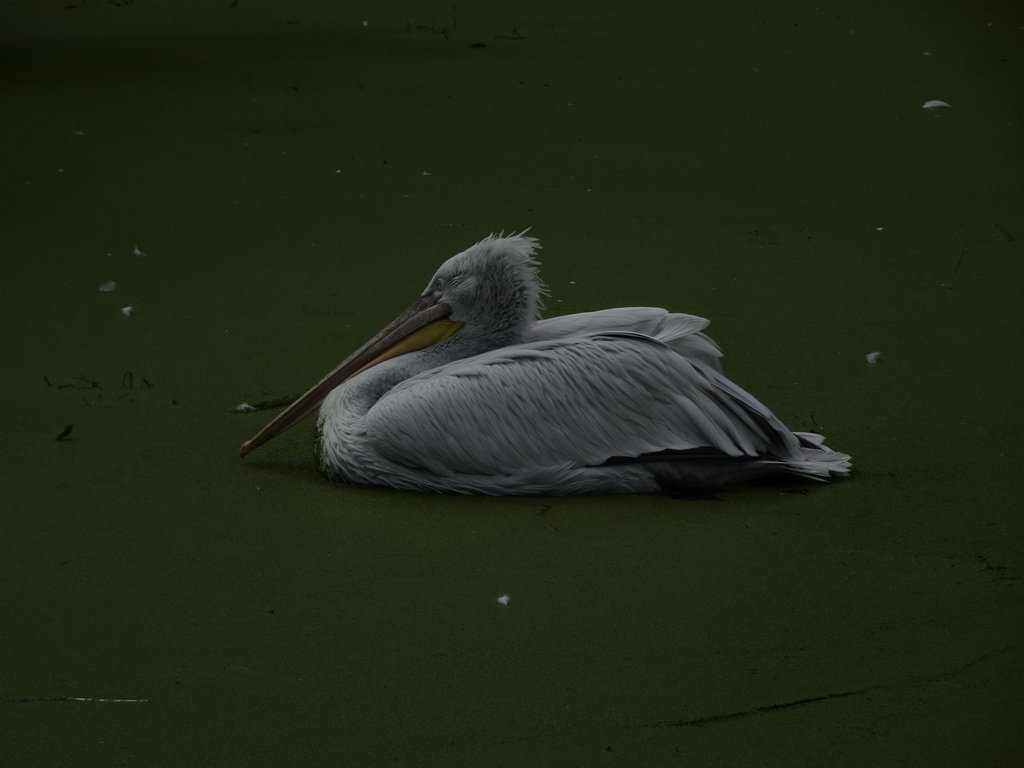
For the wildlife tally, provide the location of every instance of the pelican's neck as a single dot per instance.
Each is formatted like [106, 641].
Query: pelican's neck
[356, 396]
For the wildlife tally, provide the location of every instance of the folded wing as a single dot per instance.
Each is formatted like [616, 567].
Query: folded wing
[576, 397]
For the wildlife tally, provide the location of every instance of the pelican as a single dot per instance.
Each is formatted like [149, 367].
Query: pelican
[468, 391]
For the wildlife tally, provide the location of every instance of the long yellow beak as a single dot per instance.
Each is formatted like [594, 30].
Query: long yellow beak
[423, 324]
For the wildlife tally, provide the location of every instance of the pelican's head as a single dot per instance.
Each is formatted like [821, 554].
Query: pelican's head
[481, 299]
[493, 289]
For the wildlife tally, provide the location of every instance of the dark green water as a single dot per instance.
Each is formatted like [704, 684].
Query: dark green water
[294, 177]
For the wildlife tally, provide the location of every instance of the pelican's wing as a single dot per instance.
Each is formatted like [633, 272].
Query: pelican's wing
[680, 332]
[580, 401]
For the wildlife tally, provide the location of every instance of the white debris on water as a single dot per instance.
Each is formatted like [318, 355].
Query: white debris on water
[108, 286]
[126, 311]
[244, 408]
[872, 357]
[504, 599]
[935, 104]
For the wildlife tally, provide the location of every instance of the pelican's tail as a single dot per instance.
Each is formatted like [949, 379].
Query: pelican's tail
[816, 461]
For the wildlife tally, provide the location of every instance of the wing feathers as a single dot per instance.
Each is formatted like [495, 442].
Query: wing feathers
[581, 399]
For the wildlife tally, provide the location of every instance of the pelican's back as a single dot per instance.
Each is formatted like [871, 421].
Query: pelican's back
[680, 332]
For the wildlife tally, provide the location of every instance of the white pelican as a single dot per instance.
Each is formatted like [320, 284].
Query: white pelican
[468, 392]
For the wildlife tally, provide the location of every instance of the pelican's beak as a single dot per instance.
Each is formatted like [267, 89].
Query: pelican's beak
[423, 324]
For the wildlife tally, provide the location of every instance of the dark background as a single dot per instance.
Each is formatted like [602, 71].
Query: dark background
[294, 176]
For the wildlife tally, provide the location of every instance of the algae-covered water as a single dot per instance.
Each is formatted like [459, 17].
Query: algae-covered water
[269, 185]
